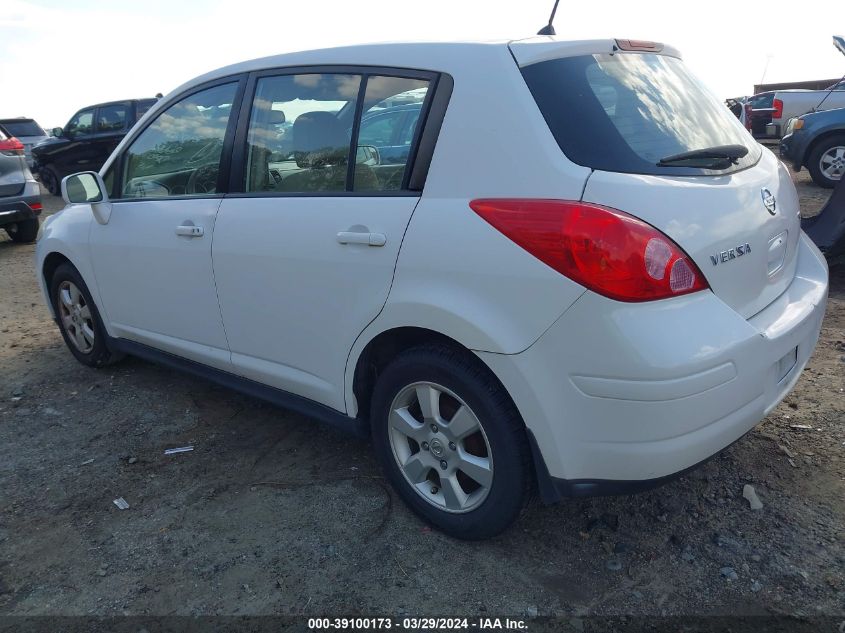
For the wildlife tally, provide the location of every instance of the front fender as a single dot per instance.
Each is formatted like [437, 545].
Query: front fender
[67, 233]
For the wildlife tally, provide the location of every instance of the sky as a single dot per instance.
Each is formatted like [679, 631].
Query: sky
[57, 56]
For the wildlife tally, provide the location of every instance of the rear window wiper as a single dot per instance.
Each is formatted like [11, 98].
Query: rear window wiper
[720, 157]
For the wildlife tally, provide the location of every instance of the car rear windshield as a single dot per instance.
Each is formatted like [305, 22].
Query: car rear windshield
[762, 100]
[625, 112]
[22, 128]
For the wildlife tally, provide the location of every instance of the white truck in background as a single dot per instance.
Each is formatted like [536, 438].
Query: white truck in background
[787, 104]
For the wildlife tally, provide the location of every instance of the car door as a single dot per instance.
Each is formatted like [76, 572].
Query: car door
[152, 260]
[304, 255]
[112, 123]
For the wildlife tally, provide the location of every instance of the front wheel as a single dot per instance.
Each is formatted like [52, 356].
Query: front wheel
[78, 318]
[451, 442]
[50, 179]
[826, 163]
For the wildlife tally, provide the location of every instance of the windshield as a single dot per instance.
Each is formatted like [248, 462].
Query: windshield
[23, 128]
[625, 112]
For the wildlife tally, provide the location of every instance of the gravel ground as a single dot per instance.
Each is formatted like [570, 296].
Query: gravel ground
[272, 513]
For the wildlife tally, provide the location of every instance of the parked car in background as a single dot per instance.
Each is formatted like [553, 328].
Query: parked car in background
[20, 196]
[391, 131]
[587, 300]
[817, 141]
[788, 104]
[27, 131]
[758, 111]
[87, 140]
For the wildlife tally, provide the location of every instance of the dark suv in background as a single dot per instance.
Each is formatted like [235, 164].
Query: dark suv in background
[87, 140]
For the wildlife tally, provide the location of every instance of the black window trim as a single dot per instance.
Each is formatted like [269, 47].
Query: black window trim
[225, 156]
[419, 159]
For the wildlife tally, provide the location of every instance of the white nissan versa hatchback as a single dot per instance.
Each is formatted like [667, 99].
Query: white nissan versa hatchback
[532, 264]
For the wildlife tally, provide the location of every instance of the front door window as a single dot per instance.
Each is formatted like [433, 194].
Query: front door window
[179, 153]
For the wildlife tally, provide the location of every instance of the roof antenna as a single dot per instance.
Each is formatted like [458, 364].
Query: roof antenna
[549, 29]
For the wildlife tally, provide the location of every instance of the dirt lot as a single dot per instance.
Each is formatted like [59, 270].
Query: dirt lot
[274, 514]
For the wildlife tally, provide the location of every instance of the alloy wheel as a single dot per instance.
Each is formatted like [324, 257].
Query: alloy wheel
[832, 162]
[440, 447]
[76, 316]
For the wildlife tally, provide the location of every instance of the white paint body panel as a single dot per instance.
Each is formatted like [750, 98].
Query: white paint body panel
[157, 287]
[706, 215]
[622, 391]
[294, 299]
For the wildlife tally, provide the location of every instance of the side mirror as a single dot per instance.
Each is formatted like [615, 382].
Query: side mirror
[367, 155]
[57, 132]
[87, 187]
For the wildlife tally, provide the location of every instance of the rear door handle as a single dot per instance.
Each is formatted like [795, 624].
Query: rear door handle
[189, 230]
[352, 237]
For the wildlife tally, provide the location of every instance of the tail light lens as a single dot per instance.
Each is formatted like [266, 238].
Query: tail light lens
[11, 147]
[608, 251]
[777, 104]
[748, 116]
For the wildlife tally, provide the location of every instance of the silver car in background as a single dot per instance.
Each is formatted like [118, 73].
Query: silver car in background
[27, 131]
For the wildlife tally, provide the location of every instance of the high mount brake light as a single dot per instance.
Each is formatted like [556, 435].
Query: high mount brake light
[608, 251]
[639, 45]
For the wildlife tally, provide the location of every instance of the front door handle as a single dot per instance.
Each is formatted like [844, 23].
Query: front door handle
[189, 230]
[354, 237]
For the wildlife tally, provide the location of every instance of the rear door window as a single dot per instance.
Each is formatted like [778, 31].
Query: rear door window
[625, 112]
[302, 126]
[112, 118]
[385, 140]
[298, 140]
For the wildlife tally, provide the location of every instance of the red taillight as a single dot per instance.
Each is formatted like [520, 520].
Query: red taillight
[36, 206]
[608, 251]
[11, 146]
[777, 113]
[748, 115]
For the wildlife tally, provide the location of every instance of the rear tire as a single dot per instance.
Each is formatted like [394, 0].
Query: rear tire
[451, 442]
[25, 231]
[826, 162]
[78, 318]
[50, 179]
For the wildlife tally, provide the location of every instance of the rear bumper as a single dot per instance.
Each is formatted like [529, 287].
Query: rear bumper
[621, 397]
[20, 208]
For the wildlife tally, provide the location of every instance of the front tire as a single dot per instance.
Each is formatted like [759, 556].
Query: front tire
[451, 442]
[23, 232]
[78, 318]
[826, 162]
[50, 179]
